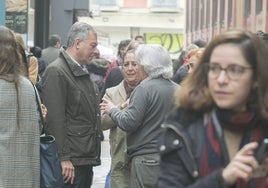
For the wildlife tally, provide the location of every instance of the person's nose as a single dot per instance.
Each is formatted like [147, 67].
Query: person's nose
[223, 77]
[130, 67]
[96, 51]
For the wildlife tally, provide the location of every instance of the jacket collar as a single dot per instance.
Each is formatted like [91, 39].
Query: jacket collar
[76, 69]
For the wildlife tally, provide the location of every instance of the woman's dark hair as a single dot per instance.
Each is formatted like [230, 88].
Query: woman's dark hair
[123, 44]
[194, 93]
[200, 43]
[36, 51]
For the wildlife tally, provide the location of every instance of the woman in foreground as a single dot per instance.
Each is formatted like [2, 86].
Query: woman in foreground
[19, 119]
[210, 140]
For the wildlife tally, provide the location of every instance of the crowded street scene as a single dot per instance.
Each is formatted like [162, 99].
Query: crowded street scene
[133, 94]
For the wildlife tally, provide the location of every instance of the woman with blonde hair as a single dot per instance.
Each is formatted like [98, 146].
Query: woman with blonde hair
[193, 57]
[30, 61]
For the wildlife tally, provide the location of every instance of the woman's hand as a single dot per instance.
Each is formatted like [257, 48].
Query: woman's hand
[124, 104]
[242, 166]
[44, 111]
[106, 106]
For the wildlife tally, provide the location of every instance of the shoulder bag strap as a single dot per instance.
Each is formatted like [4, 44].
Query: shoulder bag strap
[38, 101]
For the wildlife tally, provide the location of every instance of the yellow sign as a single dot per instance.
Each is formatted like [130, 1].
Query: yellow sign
[172, 42]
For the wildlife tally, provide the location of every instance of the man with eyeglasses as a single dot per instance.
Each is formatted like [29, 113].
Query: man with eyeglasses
[72, 100]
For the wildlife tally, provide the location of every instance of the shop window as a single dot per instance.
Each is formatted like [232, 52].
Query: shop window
[214, 12]
[258, 6]
[230, 12]
[165, 6]
[247, 8]
[208, 14]
[104, 2]
[135, 4]
[105, 5]
[196, 13]
[202, 7]
[222, 11]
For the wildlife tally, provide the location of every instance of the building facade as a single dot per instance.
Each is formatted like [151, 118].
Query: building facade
[2, 12]
[206, 18]
[158, 21]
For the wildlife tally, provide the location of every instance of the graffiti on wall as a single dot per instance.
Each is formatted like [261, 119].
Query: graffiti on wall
[172, 42]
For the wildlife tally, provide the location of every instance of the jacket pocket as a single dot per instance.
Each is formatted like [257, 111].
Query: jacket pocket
[73, 100]
[83, 141]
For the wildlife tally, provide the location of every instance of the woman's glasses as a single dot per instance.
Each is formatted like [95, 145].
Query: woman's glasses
[234, 72]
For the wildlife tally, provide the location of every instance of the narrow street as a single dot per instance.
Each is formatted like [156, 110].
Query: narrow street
[101, 171]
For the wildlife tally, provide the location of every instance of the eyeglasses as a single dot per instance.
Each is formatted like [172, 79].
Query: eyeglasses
[234, 72]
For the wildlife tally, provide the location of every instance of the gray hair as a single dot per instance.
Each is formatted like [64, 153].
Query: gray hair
[79, 30]
[155, 60]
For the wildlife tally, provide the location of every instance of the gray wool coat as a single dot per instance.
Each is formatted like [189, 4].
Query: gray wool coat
[19, 143]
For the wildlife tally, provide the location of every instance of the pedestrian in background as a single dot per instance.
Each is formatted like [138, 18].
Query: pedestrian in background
[148, 105]
[31, 66]
[139, 39]
[19, 119]
[72, 100]
[192, 58]
[29, 60]
[119, 176]
[201, 43]
[51, 53]
[115, 75]
[97, 69]
[36, 51]
[114, 78]
[211, 138]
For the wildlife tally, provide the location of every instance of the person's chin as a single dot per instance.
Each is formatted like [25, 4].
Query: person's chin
[223, 104]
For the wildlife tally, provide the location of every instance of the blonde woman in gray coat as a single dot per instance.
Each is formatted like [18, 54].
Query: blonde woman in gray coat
[19, 127]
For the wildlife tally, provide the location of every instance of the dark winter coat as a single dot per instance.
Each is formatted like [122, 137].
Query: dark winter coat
[181, 148]
[72, 100]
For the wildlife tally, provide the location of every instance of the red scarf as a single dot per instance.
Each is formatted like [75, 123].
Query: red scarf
[212, 156]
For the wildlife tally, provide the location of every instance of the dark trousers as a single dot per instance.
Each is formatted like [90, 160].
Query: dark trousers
[83, 177]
